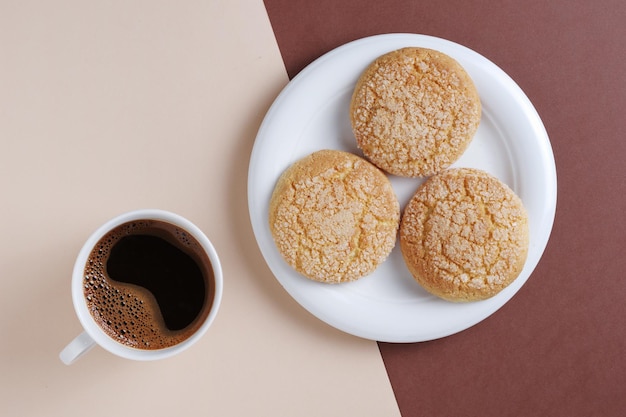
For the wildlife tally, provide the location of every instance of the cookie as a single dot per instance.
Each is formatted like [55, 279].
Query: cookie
[334, 216]
[464, 235]
[414, 111]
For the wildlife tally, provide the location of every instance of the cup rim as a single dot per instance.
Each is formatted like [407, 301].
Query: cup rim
[80, 305]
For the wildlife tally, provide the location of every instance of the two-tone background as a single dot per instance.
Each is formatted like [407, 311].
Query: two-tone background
[112, 106]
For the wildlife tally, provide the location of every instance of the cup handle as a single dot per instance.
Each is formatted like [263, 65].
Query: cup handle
[76, 348]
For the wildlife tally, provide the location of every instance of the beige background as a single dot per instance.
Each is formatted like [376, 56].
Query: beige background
[111, 106]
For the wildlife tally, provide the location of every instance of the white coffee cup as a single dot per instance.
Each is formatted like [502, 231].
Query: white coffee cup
[93, 334]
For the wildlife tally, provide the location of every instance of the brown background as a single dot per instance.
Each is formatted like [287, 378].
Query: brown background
[557, 348]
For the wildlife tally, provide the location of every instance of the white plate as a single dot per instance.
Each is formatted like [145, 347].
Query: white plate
[311, 113]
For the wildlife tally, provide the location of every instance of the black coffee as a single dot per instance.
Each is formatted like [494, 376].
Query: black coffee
[148, 284]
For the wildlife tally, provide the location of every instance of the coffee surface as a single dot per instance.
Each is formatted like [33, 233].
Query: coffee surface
[148, 284]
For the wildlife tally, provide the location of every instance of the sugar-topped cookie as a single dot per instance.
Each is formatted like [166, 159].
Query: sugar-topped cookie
[334, 216]
[464, 235]
[414, 111]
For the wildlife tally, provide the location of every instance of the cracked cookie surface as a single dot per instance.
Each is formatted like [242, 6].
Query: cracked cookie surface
[414, 111]
[334, 216]
[464, 235]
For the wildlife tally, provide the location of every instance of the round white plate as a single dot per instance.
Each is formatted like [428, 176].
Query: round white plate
[311, 113]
